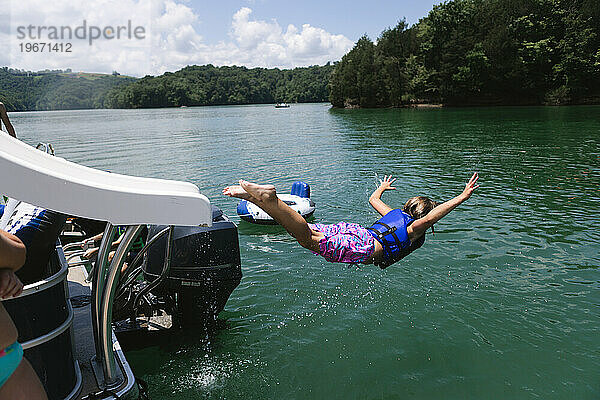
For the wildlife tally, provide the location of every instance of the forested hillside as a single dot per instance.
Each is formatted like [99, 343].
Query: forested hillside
[190, 86]
[209, 85]
[479, 52]
[56, 91]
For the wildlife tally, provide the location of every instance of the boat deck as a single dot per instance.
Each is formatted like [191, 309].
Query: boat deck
[82, 326]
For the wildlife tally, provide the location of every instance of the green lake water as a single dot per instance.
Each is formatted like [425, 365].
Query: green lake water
[502, 303]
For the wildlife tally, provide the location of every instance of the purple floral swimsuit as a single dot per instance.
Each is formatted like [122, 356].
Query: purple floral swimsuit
[345, 242]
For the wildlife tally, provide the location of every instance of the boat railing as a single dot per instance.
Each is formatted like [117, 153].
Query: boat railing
[51, 284]
[74, 253]
[106, 283]
[75, 247]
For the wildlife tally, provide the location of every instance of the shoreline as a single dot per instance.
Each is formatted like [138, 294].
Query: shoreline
[595, 102]
[424, 106]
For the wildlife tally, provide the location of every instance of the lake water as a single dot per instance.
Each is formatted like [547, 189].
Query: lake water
[503, 302]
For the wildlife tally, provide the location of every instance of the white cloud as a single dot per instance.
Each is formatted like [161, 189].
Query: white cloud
[251, 34]
[126, 54]
[171, 40]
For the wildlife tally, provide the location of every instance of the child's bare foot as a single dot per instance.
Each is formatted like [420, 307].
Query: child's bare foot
[236, 191]
[260, 192]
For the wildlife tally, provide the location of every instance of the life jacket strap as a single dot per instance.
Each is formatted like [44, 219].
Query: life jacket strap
[380, 235]
[391, 230]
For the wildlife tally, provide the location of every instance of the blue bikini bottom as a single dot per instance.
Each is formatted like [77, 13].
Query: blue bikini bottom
[10, 358]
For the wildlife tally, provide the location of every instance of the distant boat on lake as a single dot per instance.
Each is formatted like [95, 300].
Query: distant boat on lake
[282, 105]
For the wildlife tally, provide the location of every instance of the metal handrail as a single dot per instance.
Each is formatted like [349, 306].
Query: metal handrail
[108, 357]
[98, 280]
[81, 246]
[104, 288]
[74, 254]
[67, 247]
[45, 283]
[57, 278]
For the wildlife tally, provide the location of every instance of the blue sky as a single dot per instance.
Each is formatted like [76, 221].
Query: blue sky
[251, 33]
[351, 19]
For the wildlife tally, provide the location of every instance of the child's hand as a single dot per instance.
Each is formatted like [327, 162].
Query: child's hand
[386, 183]
[10, 285]
[470, 187]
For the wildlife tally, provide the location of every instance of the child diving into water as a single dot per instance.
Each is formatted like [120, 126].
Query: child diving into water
[397, 234]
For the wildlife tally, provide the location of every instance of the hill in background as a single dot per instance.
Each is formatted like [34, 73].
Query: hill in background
[190, 86]
[210, 85]
[56, 90]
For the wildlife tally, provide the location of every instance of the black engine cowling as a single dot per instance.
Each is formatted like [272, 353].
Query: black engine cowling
[205, 267]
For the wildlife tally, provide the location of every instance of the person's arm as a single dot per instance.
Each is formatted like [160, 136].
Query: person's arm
[97, 237]
[117, 242]
[12, 251]
[12, 257]
[4, 117]
[89, 253]
[418, 228]
[375, 199]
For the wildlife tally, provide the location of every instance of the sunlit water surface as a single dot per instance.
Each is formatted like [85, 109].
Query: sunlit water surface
[503, 302]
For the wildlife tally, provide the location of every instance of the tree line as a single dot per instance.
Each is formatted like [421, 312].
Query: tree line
[209, 85]
[478, 52]
[56, 91]
[190, 86]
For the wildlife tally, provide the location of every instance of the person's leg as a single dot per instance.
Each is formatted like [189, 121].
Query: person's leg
[23, 384]
[266, 198]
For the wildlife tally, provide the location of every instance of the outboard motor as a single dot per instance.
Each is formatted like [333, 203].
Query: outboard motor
[205, 268]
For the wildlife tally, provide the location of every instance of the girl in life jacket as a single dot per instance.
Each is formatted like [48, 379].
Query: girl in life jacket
[398, 233]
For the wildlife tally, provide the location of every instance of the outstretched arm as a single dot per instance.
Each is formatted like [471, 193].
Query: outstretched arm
[4, 118]
[418, 228]
[375, 199]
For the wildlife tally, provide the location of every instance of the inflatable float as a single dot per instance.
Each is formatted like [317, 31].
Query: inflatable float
[298, 199]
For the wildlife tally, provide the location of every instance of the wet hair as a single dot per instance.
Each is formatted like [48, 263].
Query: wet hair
[419, 206]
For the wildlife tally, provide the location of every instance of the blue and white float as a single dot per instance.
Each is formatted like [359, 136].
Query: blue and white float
[298, 199]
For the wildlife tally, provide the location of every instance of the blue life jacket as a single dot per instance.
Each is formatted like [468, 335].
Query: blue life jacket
[390, 231]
